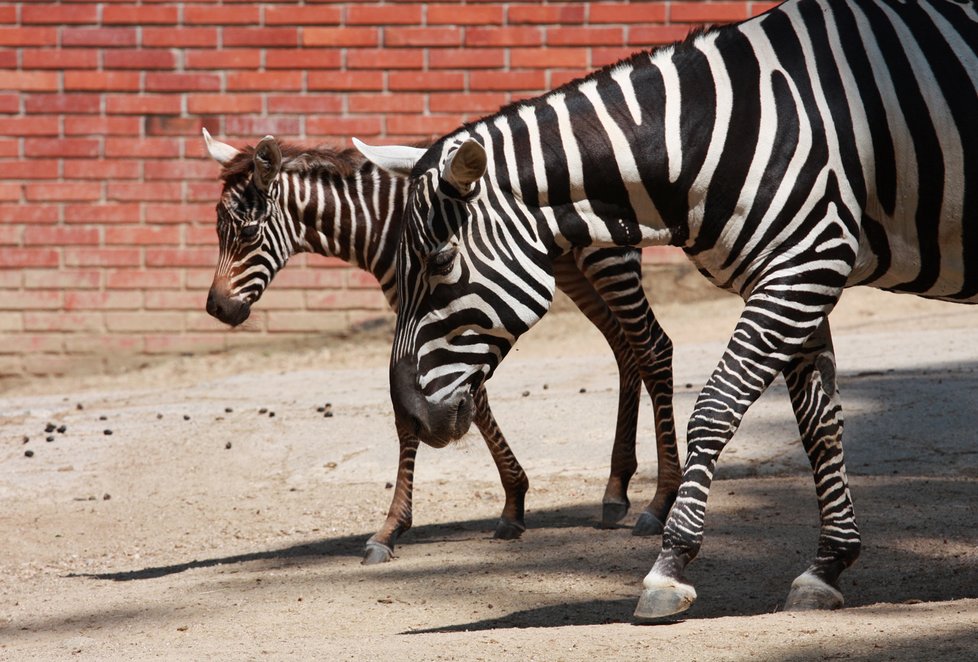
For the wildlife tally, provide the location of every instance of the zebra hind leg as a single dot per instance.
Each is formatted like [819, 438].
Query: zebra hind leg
[814, 397]
[511, 524]
[380, 546]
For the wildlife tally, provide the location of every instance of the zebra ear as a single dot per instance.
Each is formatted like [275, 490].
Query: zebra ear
[395, 159]
[268, 162]
[220, 152]
[465, 166]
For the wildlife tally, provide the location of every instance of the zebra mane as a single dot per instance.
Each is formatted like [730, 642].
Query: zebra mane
[298, 160]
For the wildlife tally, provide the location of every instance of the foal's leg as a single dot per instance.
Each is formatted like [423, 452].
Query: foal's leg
[380, 546]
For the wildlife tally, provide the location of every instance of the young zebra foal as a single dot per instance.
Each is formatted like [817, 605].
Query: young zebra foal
[279, 200]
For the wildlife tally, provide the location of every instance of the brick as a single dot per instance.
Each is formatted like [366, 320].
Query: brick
[61, 279]
[29, 343]
[60, 236]
[143, 321]
[203, 192]
[199, 279]
[58, 14]
[101, 344]
[420, 36]
[142, 104]
[105, 37]
[386, 103]
[181, 82]
[139, 279]
[299, 278]
[143, 58]
[102, 213]
[385, 14]
[224, 103]
[254, 127]
[386, 58]
[112, 300]
[758, 8]
[11, 235]
[12, 321]
[453, 14]
[646, 36]
[144, 191]
[560, 77]
[546, 58]
[36, 300]
[68, 104]
[30, 126]
[485, 102]
[10, 192]
[62, 192]
[221, 15]
[63, 58]
[585, 36]
[19, 258]
[316, 322]
[21, 36]
[61, 147]
[63, 321]
[627, 12]
[707, 12]
[172, 125]
[337, 37]
[9, 103]
[508, 80]
[302, 15]
[304, 58]
[509, 36]
[140, 15]
[419, 125]
[178, 213]
[344, 127]
[425, 80]
[32, 213]
[142, 147]
[201, 235]
[547, 14]
[172, 37]
[345, 81]
[240, 58]
[300, 105]
[29, 81]
[181, 170]
[33, 169]
[185, 343]
[101, 257]
[180, 257]
[102, 169]
[364, 299]
[261, 36]
[102, 80]
[112, 126]
[264, 80]
[10, 147]
[141, 235]
[467, 58]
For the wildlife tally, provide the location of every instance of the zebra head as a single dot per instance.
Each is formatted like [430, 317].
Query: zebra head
[248, 213]
[470, 281]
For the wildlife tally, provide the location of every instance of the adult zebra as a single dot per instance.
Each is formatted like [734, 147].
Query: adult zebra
[821, 145]
[279, 200]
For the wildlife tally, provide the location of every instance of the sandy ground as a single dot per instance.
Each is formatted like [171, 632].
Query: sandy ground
[203, 528]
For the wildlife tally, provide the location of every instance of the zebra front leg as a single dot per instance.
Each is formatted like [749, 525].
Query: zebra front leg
[380, 546]
[511, 474]
[815, 399]
[772, 329]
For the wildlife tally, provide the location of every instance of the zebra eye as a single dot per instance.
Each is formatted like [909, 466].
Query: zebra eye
[249, 231]
[440, 263]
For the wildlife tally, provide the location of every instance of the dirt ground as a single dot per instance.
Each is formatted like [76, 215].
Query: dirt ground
[204, 527]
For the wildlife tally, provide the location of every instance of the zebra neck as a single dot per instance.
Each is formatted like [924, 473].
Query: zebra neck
[355, 218]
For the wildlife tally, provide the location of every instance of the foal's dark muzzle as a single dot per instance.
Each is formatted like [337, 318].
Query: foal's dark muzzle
[228, 310]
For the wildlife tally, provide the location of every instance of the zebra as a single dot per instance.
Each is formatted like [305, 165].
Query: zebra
[820, 145]
[278, 200]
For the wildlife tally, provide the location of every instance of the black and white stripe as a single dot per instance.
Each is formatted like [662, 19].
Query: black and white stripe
[821, 145]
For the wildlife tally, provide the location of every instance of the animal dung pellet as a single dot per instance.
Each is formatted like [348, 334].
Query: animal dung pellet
[526, 394]
[50, 427]
[271, 414]
[159, 416]
[263, 410]
[49, 438]
[228, 410]
[107, 432]
[79, 406]
[227, 445]
[106, 497]
[28, 453]
[583, 390]
[103, 417]
[328, 411]
[26, 439]
[62, 429]
[186, 417]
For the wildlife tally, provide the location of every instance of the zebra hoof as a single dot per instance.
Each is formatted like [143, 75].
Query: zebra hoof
[808, 592]
[375, 553]
[508, 529]
[612, 512]
[647, 525]
[664, 604]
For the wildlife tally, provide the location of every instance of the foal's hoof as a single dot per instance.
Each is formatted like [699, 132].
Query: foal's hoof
[808, 592]
[612, 512]
[663, 604]
[508, 529]
[647, 525]
[375, 553]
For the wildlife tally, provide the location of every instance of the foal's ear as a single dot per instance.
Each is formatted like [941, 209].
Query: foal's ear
[395, 159]
[465, 166]
[220, 152]
[268, 162]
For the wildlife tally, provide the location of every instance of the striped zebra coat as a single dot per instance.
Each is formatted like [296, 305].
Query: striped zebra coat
[280, 200]
[821, 145]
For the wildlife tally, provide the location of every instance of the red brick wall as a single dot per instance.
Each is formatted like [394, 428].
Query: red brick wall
[106, 200]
